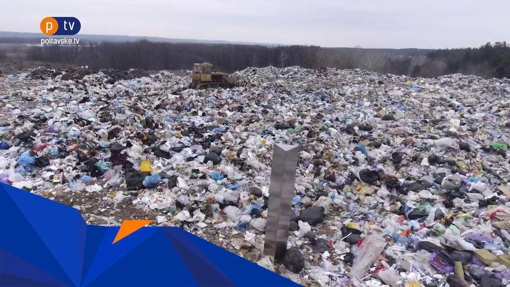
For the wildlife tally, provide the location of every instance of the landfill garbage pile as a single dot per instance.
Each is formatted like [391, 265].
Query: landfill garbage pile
[400, 181]
[78, 74]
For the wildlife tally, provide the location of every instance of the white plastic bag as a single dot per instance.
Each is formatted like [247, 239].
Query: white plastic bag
[304, 227]
[390, 277]
[232, 213]
[366, 255]
[78, 186]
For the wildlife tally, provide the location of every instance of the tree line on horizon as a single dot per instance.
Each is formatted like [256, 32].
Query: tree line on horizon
[488, 61]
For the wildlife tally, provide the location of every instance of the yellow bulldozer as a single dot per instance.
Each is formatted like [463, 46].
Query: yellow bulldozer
[203, 76]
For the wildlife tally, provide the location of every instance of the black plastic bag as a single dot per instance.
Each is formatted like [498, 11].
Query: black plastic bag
[293, 260]
[134, 180]
[42, 161]
[369, 176]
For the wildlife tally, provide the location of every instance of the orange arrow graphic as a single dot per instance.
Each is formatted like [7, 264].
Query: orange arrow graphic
[129, 226]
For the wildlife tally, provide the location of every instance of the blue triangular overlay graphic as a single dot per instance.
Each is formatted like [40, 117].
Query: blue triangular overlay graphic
[17, 271]
[63, 244]
[95, 235]
[19, 237]
[15, 281]
[236, 268]
[154, 262]
[82, 243]
[107, 254]
[204, 272]
[145, 258]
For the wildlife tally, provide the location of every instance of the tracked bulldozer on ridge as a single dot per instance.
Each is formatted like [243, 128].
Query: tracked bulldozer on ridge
[203, 76]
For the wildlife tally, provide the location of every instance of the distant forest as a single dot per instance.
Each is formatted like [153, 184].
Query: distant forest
[490, 60]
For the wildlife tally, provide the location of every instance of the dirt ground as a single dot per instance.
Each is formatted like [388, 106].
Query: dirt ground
[98, 211]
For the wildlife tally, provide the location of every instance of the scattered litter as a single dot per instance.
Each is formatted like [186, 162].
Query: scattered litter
[400, 181]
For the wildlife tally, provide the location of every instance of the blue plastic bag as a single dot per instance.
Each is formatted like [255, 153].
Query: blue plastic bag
[152, 180]
[217, 176]
[218, 130]
[54, 151]
[363, 149]
[4, 145]
[241, 227]
[26, 159]
[233, 186]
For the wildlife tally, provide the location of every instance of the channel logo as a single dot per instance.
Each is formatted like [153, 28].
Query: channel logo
[60, 26]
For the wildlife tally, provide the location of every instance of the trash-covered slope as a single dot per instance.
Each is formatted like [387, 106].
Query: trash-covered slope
[400, 180]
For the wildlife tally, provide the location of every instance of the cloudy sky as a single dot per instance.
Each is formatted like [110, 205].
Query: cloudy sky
[334, 23]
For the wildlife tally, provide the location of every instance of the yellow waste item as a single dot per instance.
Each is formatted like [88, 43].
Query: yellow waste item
[413, 284]
[145, 166]
[352, 225]
[364, 189]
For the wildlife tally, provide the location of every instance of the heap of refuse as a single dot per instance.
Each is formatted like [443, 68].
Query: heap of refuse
[400, 181]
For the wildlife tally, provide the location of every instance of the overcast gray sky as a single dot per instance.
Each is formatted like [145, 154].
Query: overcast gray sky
[338, 23]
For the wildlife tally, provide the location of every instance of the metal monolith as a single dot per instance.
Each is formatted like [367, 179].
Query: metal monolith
[281, 192]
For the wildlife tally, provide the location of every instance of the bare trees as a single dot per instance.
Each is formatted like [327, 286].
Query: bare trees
[19, 57]
[254, 60]
[481, 69]
[369, 60]
[487, 61]
[334, 58]
[283, 58]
